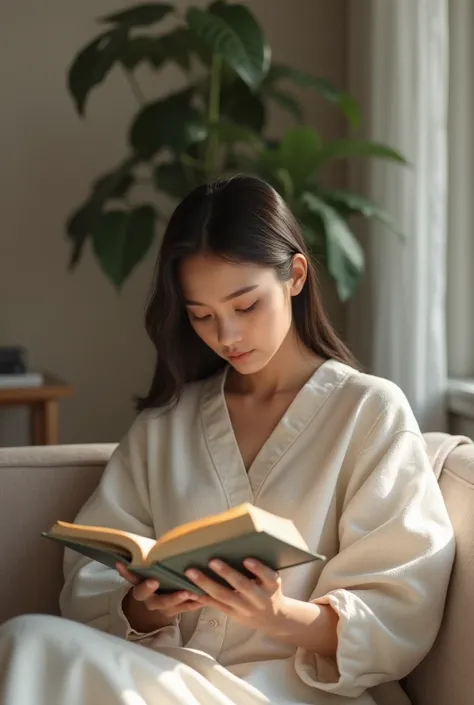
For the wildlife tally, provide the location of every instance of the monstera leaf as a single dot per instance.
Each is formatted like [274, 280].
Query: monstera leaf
[231, 32]
[121, 239]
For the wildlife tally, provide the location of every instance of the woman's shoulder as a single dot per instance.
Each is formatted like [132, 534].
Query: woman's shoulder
[179, 412]
[377, 402]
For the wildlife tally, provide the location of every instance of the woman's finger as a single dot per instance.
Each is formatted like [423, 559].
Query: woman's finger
[162, 602]
[169, 602]
[124, 573]
[144, 590]
[222, 594]
[188, 606]
[241, 584]
[268, 578]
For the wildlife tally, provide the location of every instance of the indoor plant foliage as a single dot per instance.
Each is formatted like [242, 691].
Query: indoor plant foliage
[215, 125]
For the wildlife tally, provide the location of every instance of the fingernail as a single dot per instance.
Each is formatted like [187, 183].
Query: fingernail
[193, 574]
[216, 564]
[250, 563]
[152, 584]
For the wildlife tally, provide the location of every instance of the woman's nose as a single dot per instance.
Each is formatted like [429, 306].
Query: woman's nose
[228, 334]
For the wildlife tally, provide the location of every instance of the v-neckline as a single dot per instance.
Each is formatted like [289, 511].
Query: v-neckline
[240, 484]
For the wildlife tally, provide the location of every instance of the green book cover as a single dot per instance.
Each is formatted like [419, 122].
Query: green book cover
[268, 549]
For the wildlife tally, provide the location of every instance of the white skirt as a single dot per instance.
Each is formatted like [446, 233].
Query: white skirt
[48, 660]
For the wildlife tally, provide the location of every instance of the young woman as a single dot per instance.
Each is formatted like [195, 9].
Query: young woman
[254, 399]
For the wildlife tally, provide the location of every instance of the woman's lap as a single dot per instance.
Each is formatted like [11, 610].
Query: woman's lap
[50, 660]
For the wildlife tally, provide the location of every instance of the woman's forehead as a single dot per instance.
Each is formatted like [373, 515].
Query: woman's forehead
[206, 277]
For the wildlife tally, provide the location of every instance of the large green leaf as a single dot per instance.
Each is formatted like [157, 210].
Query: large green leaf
[121, 239]
[175, 46]
[171, 122]
[344, 148]
[322, 86]
[292, 160]
[143, 49]
[79, 227]
[113, 185]
[93, 63]
[347, 203]
[171, 178]
[287, 101]
[243, 21]
[232, 32]
[241, 105]
[345, 257]
[140, 16]
[178, 46]
[299, 150]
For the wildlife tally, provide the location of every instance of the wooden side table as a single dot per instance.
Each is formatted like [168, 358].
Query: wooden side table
[43, 403]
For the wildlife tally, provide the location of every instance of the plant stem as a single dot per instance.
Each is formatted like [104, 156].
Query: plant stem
[213, 114]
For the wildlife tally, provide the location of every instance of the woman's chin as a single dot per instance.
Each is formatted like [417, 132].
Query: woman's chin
[248, 364]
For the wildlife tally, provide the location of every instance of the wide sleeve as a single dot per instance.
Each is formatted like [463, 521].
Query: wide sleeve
[388, 581]
[93, 593]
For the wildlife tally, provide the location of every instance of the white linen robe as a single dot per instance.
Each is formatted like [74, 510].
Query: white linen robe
[348, 464]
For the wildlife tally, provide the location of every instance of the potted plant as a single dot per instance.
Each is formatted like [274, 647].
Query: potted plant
[216, 125]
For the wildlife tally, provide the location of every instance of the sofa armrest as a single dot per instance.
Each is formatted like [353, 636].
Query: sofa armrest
[446, 675]
[40, 485]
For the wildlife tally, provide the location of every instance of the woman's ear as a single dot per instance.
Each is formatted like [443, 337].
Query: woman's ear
[300, 272]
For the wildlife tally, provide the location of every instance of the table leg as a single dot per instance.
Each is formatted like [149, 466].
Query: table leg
[37, 424]
[51, 422]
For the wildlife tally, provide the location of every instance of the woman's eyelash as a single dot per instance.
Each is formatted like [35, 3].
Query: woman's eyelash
[238, 310]
[248, 309]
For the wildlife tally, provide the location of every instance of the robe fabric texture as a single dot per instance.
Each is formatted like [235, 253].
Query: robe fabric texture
[347, 463]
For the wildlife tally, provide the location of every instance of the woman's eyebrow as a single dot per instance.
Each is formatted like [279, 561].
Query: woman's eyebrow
[234, 295]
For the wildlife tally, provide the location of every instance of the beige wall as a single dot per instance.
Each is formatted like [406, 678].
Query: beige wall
[75, 324]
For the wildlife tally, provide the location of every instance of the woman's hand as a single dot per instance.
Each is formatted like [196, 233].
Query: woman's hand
[256, 603]
[146, 611]
[259, 603]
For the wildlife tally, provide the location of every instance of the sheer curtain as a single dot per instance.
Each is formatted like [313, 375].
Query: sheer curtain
[399, 72]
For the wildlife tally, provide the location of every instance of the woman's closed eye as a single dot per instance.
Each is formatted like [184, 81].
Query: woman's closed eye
[200, 318]
[250, 308]
[208, 316]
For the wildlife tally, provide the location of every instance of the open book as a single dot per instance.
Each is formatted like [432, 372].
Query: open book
[242, 532]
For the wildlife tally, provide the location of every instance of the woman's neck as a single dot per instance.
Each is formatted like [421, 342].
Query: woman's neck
[286, 372]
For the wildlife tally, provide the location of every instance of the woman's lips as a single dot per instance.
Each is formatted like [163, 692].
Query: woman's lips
[240, 357]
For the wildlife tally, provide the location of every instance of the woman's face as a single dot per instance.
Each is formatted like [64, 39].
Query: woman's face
[241, 311]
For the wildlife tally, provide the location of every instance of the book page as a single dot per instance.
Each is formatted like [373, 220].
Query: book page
[214, 520]
[138, 546]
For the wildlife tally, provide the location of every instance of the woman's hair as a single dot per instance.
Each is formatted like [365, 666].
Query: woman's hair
[241, 219]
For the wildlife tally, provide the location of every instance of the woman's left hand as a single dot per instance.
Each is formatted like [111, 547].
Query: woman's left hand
[256, 603]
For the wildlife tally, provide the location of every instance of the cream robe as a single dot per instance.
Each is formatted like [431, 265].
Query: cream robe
[348, 464]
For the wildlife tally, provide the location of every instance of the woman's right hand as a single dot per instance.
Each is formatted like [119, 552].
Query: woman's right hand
[146, 611]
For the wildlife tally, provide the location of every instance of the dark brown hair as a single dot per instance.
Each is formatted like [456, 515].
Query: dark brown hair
[241, 219]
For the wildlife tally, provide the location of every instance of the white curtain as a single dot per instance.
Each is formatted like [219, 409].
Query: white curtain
[399, 71]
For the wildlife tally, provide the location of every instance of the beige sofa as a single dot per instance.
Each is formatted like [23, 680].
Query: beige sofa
[41, 484]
